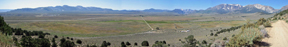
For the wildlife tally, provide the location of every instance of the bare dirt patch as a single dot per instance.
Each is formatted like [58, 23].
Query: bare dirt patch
[278, 34]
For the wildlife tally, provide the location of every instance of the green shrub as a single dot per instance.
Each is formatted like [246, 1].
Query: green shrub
[14, 38]
[233, 35]
[159, 44]
[54, 44]
[18, 31]
[42, 42]
[104, 44]
[123, 44]
[53, 40]
[55, 36]
[145, 43]
[267, 24]
[204, 42]
[135, 44]
[261, 21]
[28, 41]
[127, 43]
[67, 44]
[41, 36]
[245, 38]
[79, 41]
[225, 38]
[164, 42]
[190, 41]
[157, 28]
[211, 34]
[4, 27]
[215, 35]
[108, 43]
[62, 40]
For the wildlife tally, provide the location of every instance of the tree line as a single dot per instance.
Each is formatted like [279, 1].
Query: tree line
[224, 30]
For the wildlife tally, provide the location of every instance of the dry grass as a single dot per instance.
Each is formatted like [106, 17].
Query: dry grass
[213, 24]
[92, 28]
[95, 29]
[246, 38]
[5, 40]
[86, 27]
[105, 26]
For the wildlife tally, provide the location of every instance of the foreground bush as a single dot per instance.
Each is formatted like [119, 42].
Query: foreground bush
[267, 24]
[246, 38]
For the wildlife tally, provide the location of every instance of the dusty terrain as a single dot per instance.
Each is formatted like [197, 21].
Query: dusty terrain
[278, 34]
[93, 30]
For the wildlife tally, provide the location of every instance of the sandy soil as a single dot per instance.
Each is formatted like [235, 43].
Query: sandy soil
[278, 34]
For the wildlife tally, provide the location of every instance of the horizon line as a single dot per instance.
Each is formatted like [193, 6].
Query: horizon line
[132, 9]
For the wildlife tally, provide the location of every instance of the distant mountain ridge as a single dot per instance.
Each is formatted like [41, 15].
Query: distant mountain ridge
[237, 8]
[284, 8]
[61, 8]
[154, 10]
[220, 9]
[257, 8]
[5, 10]
[224, 8]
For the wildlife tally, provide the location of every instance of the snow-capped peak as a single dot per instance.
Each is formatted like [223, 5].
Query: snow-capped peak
[259, 6]
[263, 7]
[227, 7]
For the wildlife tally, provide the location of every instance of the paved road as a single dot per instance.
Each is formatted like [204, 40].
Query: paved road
[278, 34]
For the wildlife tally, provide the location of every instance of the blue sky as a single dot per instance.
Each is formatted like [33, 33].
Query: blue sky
[137, 4]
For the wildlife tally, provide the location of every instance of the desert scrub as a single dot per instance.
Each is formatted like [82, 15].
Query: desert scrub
[248, 25]
[281, 13]
[267, 24]
[250, 33]
[245, 38]
[261, 21]
[5, 41]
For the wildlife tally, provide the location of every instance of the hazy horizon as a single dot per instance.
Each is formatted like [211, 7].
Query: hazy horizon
[137, 4]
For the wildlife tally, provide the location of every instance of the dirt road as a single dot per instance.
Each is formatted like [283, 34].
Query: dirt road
[278, 34]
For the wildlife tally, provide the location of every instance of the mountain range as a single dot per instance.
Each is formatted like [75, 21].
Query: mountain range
[5, 10]
[220, 9]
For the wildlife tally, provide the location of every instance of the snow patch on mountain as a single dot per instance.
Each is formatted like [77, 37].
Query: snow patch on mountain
[264, 8]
